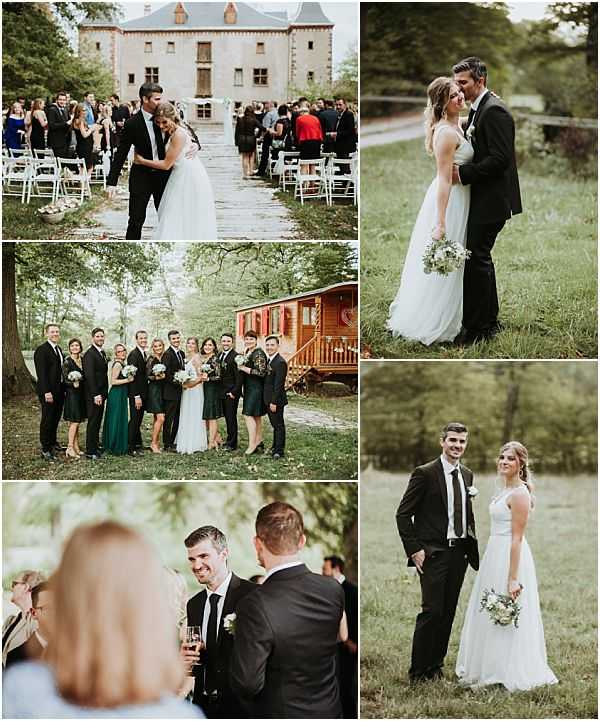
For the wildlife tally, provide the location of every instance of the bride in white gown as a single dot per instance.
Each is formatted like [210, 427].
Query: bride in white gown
[428, 308]
[187, 206]
[191, 436]
[489, 654]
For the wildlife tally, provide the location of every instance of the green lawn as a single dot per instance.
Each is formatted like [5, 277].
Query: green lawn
[562, 536]
[545, 260]
[313, 452]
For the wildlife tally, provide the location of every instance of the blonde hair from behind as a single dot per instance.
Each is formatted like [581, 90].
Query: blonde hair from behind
[522, 455]
[114, 642]
[438, 96]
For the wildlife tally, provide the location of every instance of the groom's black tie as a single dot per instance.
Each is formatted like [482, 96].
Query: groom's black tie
[458, 516]
[160, 143]
[211, 645]
[470, 119]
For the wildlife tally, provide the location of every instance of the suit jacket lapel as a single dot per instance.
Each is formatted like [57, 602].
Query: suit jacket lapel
[442, 481]
[229, 605]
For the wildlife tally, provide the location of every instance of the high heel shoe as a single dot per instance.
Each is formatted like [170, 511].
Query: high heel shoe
[260, 446]
[155, 449]
[70, 453]
[251, 452]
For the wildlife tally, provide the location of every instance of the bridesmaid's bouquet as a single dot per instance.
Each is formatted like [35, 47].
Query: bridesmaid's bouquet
[182, 377]
[501, 609]
[129, 371]
[444, 256]
[158, 369]
[74, 376]
[242, 360]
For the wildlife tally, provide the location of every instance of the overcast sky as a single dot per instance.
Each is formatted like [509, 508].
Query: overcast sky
[343, 14]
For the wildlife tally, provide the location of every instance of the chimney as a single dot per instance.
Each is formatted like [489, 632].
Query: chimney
[181, 15]
[230, 14]
[147, 9]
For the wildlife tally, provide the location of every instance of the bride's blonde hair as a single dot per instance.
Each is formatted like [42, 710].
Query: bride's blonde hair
[438, 96]
[168, 112]
[522, 455]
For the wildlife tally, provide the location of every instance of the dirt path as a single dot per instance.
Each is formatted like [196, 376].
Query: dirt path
[310, 417]
[392, 130]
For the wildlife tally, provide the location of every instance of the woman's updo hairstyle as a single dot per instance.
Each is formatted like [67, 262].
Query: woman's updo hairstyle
[168, 112]
[438, 96]
[522, 455]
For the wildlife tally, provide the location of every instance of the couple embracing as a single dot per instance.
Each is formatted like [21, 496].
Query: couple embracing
[167, 168]
[502, 639]
[474, 193]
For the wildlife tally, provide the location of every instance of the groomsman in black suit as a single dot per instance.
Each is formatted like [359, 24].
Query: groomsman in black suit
[208, 558]
[95, 371]
[347, 650]
[495, 196]
[59, 126]
[48, 359]
[274, 395]
[174, 360]
[138, 391]
[345, 130]
[284, 656]
[436, 524]
[230, 378]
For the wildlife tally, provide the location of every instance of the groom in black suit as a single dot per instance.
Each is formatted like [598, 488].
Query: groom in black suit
[284, 656]
[436, 524]
[208, 556]
[174, 360]
[146, 137]
[138, 392]
[95, 371]
[230, 377]
[495, 196]
[48, 359]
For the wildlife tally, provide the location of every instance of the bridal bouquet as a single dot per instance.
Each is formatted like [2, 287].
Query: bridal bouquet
[158, 369]
[501, 609]
[129, 370]
[182, 377]
[74, 376]
[444, 256]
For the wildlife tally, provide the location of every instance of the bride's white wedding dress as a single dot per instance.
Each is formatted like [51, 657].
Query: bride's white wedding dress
[191, 436]
[187, 207]
[491, 654]
[428, 308]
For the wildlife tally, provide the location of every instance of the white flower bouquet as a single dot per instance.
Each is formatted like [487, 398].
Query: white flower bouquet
[181, 377]
[500, 608]
[129, 370]
[74, 376]
[444, 256]
[159, 369]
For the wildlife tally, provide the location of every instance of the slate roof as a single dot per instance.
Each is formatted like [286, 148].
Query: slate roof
[311, 14]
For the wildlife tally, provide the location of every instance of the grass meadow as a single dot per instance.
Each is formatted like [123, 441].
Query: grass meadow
[545, 260]
[562, 534]
[312, 451]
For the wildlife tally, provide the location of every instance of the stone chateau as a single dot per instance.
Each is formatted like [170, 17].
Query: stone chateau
[215, 49]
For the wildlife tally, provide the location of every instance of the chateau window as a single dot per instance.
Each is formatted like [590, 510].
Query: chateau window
[238, 76]
[311, 45]
[204, 112]
[260, 48]
[204, 54]
[310, 76]
[147, 47]
[261, 76]
[97, 46]
[151, 75]
[131, 78]
[203, 82]
[171, 48]
[274, 320]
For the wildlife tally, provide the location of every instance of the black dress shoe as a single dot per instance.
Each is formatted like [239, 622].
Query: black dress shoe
[277, 456]
[92, 456]
[58, 448]
[133, 453]
[229, 449]
[48, 456]
[260, 446]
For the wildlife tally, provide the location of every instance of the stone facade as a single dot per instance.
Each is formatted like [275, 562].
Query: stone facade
[215, 49]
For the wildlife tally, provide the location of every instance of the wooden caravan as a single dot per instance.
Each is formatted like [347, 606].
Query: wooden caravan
[317, 331]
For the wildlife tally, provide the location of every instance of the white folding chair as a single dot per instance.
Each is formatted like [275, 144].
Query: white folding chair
[44, 173]
[99, 171]
[341, 178]
[43, 154]
[286, 167]
[15, 176]
[20, 153]
[73, 173]
[311, 186]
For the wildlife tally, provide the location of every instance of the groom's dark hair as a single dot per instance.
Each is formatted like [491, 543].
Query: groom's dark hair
[453, 427]
[472, 65]
[216, 537]
[171, 333]
[280, 527]
[147, 89]
[226, 335]
[97, 330]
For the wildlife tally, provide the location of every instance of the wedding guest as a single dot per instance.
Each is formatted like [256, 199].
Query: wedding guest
[213, 390]
[95, 371]
[42, 612]
[253, 408]
[281, 132]
[113, 651]
[115, 436]
[38, 123]
[286, 632]
[230, 376]
[246, 130]
[347, 650]
[14, 132]
[208, 556]
[84, 135]
[75, 411]
[59, 126]
[155, 403]
[309, 137]
[328, 118]
[138, 391]
[174, 360]
[345, 130]
[18, 627]
[119, 114]
[274, 394]
[89, 107]
[48, 359]
[107, 134]
[268, 124]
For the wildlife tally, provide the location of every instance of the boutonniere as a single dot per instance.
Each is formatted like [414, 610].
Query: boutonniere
[472, 491]
[470, 131]
[229, 623]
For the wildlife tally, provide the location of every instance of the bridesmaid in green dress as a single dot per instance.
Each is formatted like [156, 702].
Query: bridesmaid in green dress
[74, 409]
[255, 368]
[114, 433]
[155, 403]
[213, 389]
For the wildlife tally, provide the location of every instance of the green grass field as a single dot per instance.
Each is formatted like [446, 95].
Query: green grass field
[545, 260]
[563, 540]
[313, 452]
